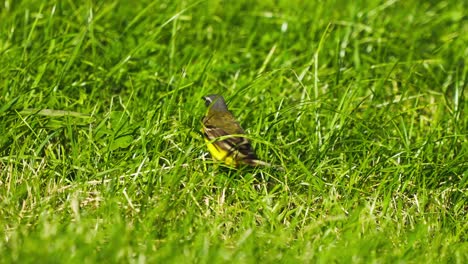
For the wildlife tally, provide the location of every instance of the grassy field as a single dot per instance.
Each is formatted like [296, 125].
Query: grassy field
[363, 104]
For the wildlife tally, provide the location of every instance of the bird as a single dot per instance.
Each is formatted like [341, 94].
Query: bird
[224, 136]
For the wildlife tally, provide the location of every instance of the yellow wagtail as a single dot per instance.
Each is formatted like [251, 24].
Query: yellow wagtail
[223, 135]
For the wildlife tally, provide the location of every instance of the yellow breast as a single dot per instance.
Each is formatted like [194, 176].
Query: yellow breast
[220, 154]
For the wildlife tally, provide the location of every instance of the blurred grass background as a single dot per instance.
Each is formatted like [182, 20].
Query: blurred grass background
[362, 103]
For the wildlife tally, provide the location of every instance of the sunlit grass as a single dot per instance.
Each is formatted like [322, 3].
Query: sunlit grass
[362, 105]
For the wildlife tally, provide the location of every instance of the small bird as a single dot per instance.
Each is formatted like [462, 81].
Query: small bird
[223, 135]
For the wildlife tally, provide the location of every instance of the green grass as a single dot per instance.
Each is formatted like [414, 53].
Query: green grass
[364, 105]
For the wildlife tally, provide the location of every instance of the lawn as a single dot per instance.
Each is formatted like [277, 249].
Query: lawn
[361, 107]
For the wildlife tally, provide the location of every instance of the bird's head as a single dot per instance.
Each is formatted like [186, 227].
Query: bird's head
[215, 102]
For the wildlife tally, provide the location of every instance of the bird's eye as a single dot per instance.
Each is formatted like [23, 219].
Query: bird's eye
[207, 101]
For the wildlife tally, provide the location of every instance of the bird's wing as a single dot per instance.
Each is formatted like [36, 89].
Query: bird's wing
[228, 132]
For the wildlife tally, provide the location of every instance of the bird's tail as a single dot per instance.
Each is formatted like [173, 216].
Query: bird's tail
[260, 163]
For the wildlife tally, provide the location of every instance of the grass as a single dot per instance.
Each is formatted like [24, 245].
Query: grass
[362, 103]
